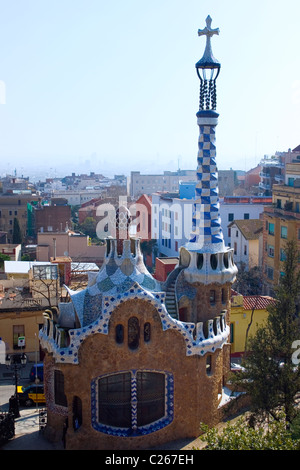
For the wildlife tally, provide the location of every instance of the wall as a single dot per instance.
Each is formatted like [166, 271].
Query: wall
[273, 264]
[56, 217]
[240, 319]
[76, 246]
[31, 320]
[238, 211]
[163, 267]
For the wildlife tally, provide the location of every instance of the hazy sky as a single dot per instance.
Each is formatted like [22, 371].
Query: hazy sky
[111, 86]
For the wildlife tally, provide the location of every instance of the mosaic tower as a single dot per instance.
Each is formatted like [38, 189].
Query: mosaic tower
[207, 232]
[207, 269]
[211, 261]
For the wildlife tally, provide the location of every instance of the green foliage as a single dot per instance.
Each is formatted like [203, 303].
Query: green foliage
[295, 427]
[148, 247]
[3, 258]
[17, 235]
[88, 227]
[270, 378]
[248, 282]
[240, 436]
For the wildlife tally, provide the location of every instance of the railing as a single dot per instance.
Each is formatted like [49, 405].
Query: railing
[276, 210]
[11, 303]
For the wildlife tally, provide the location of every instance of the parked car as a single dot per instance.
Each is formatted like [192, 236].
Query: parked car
[236, 367]
[30, 395]
[37, 373]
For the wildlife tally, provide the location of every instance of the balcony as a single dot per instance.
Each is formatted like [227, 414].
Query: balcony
[282, 212]
[263, 174]
[279, 179]
[263, 185]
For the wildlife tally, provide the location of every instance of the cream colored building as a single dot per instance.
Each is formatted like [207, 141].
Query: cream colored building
[72, 244]
[246, 236]
[29, 289]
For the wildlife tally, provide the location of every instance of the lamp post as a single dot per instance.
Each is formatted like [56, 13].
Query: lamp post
[15, 362]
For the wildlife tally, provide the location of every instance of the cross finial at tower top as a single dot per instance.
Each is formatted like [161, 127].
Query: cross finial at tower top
[208, 31]
[208, 59]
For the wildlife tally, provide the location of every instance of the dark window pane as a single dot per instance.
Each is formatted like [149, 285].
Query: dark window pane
[77, 413]
[114, 400]
[150, 397]
[59, 388]
[119, 334]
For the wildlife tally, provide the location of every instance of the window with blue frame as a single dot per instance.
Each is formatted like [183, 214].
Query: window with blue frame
[271, 228]
[283, 232]
[132, 403]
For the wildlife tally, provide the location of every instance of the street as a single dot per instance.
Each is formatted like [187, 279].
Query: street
[6, 391]
[7, 383]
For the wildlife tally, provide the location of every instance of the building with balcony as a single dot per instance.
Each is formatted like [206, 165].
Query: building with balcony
[281, 222]
[274, 169]
[271, 173]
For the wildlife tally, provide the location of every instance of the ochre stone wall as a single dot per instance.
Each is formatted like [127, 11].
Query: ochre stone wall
[195, 392]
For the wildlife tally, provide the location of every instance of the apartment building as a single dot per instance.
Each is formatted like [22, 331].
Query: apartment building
[281, 222]
[241, 208]
[171, 222]
[11, 207]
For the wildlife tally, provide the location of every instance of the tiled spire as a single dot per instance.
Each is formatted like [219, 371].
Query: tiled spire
[207, 233]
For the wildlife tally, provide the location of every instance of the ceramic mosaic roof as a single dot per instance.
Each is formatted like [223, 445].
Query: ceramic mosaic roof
[117, 276]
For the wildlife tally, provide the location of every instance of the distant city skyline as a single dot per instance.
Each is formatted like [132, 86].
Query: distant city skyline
[112, 87]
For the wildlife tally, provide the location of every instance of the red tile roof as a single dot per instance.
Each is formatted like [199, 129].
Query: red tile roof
[259, 302]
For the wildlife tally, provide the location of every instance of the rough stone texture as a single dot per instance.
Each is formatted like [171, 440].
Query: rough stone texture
[195, 392]
[199, 308]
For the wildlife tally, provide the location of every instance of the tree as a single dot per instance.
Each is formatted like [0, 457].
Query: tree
[88, 227]
[241, 436]
[270, 377]
[248, 282]
[3, 258]
[17, 235]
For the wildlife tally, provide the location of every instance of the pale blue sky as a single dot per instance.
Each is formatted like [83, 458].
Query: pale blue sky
[111, 87]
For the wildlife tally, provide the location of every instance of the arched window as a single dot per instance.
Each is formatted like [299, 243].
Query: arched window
[199, 260]
[212, 297]
[214, 261]
[133, 333]
[77, 413]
